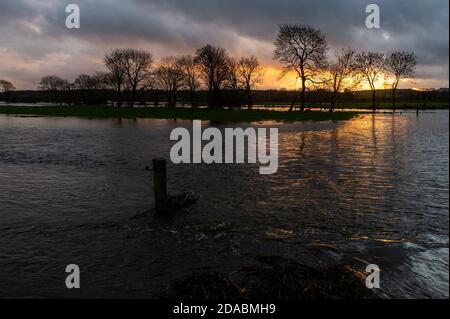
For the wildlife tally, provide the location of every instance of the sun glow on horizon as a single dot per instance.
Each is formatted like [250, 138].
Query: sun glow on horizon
[272, 80]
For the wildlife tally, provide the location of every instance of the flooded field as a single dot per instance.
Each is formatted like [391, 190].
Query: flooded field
[374, 189]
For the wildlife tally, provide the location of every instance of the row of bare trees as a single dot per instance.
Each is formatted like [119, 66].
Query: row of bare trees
[211, 68]
[219, 71]
[130, 70]
[302, 50]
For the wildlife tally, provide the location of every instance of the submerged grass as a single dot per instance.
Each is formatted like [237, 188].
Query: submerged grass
[217, 115]
[277, 279]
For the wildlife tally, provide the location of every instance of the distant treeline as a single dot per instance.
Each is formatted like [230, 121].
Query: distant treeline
[214, 78]
[260, 97]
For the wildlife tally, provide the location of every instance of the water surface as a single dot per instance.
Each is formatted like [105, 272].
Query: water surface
[370, 190]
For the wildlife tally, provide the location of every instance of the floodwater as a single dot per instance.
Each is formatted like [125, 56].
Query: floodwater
[372, 190]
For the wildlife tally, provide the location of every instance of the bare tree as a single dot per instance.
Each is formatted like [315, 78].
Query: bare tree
[250, 74]
[371, 67]
[169, 74]
[51, 83]
[68, 89]
[343, 74]
[6, 87]
[301, 49]
[55, 85]
[85, 82]
[191, 74]
[92, 87]
[116, 63]
[400, 64]
[101, 80]
[214, 70]
[233, 82]
[152, 88]
[137, 67]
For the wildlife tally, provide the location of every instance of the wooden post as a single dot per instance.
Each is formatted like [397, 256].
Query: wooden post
[160, 183]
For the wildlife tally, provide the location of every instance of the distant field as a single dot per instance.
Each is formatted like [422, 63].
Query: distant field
[218, 115]
[368, 105]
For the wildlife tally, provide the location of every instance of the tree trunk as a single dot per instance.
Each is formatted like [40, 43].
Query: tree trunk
[374, 107]
[332, 106]
[211, 94]
[249, 99]
[171, 99]
[133, 96]
[174, 98]
[211, 98]
[302, 96]
[393, 99]
[293, 102]
[55, 97]
[333, 102]
[216, 99]
[192, 98]
[394, 91]
[119, 97]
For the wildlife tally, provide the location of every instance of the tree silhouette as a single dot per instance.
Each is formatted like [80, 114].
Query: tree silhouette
[116, 63]
[250, 74]
[91, 87]
[233, 82]
[6, 87]
[85, 82]
[191, 74]
[371, 67]
[343, 73]
[170, 77]
[55, 85]
[137, 68]
[400, 64]
[214, 64]
[301, 49]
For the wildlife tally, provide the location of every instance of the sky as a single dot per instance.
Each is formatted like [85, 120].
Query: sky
[34, 40]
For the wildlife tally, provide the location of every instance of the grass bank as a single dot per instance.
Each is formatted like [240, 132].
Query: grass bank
[218, 115]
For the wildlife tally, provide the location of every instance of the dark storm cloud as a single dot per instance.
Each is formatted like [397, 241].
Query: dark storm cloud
[14, 10]
[34, 31]
[419, 25]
